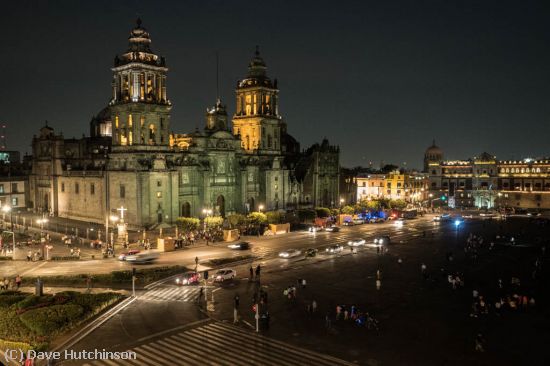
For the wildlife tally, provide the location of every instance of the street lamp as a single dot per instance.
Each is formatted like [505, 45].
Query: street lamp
[114, 220]
[7, 209]
[260, 208]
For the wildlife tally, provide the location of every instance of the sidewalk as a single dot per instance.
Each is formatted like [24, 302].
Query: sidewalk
[55, 290]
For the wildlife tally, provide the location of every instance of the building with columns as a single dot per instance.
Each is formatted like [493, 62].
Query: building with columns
[132, 159]
[484, 181]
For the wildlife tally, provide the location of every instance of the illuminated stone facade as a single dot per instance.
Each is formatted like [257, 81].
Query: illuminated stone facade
[484, 181]
[410, 186]
[131, 159]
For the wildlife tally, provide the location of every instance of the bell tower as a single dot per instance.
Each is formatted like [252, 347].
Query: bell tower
[257, 120]
[140, 109]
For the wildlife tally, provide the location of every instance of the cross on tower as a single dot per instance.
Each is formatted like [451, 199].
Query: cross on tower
[122, 209]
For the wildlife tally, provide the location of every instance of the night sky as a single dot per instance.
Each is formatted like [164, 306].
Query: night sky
[378, 78]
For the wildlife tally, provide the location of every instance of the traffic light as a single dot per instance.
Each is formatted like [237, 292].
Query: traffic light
[205, 275]
[443, 197]
[133, 272]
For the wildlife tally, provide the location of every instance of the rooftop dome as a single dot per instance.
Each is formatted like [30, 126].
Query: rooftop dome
[433, 150]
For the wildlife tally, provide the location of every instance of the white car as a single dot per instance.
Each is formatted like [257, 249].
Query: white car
[225, 274]
[290, 253]
[143, 257]
[356, 242]
[399, 222]
[334, 249]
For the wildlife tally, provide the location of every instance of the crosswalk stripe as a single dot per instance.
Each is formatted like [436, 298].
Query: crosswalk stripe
[273, 349]
[300, 352]
[171, 294]
[205, 351]
[202, 357]
[155, 355]
[178, 350]
[149, 356]
[251, 352]
[199, 352]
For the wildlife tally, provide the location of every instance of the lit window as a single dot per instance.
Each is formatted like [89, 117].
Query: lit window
[130, 120]
[159, 194]
[116, 121]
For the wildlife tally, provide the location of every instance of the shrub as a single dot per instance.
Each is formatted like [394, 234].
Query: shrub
[47, 320]
[220, 261]
[236, 220]
[322, 212]
[10, 299]
[257, 218]
[32, 301]
[348, 210]
[188, 223]
[6, 258]
[213, 221]
[273, 217]
[306, 215]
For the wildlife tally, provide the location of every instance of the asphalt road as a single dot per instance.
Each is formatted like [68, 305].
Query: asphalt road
[263, 247]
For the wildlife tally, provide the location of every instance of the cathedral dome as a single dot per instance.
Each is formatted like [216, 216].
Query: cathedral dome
[433, 150]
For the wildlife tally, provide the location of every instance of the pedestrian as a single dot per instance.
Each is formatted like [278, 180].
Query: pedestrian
[237, 301]
[338, 311]
[378, 284]
[18, 281]
[327, 320]
[29, 256]
[479, 343]
[399, 261]
[378, 249]
[346, 314]
[303, 283]
[378, 274]
[313, 306]
[251, 273]
[258, 270]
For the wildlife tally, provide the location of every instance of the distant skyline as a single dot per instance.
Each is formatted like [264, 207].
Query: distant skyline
[380, 79]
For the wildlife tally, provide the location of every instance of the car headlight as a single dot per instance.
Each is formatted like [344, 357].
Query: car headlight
[185, 281]
[349, 242]
[177, 280]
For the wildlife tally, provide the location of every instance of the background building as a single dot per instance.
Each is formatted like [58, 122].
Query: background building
[485, 182]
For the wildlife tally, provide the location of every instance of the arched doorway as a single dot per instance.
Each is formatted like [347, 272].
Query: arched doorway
[251, 204]
[186, 209]
[220, 205]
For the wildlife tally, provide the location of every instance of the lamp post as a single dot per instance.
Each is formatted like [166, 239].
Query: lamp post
[341, 204]
[7, 209]
[499, 194]
[260, 208]
[114, 220]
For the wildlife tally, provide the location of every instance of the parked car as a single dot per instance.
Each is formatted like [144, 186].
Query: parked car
[188, 278]
[333, 229]
[356, 242]
[122, 256]
[376, 220]
[243, 245]
[311, 252]
[290, 253]
[348, 223]
[358, 221]
[143, 257]
[333, 249]
[225, 274]
[382, 240]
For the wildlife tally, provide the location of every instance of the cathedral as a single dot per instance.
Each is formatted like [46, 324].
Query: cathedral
[133, 162]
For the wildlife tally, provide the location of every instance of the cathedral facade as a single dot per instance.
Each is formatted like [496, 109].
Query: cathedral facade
[132, 159]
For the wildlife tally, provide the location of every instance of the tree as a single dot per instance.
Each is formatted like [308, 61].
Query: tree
[213, 221]
[188, 223]
[236, 220]
[348, 210]
[273, 217]
[306, 215]
[334, 212]
[388, 168]
[398, 204]
[322, 212]
[257, 218]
